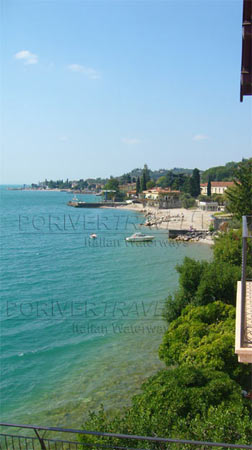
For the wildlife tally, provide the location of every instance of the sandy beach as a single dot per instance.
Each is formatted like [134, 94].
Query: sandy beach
[175, 219]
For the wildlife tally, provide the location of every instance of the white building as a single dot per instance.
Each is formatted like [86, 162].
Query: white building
[217, 187]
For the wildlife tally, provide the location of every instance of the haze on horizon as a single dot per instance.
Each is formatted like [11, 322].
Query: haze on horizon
[93, 89]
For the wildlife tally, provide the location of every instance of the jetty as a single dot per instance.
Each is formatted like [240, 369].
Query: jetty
[107, 204]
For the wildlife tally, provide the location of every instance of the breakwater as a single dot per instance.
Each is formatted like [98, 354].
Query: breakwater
[95, 204]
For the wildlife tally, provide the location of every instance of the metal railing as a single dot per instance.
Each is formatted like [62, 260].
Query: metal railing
[246, 234]
[9, 441]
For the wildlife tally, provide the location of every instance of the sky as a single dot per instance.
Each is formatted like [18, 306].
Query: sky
[96, 88]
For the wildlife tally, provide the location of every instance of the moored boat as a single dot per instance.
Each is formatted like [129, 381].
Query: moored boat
[139, 237]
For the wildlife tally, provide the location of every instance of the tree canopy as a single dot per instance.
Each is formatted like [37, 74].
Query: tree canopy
[203, 336]
[112, 184]
[182, 402]
[239, 197]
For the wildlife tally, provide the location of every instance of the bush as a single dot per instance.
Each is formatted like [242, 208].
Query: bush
[200, 283]
[228, 248]
[203, 336]
[176, 402]
[187, 201]
[219, 424]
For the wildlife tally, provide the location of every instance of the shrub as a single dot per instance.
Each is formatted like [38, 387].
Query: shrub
[203, 336]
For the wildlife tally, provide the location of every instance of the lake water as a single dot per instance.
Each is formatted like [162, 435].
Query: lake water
[80, 319]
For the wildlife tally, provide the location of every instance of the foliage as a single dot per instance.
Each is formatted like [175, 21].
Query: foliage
[112, 184]
[175, 403]
[190, 274]
[181, 392]
[146, 171]
[219, 424]
[199, 395]
[138, 185]
[145, 178]
[219, 198]
[219, 281]
[150, 184]
[195, 186]
[240, 196]
[125, 179]
[204, 198]
[209, 187]
[161, 182]
[208, 281]
[200, 283]
[143, 182]
[203, 336]
[228, 248]
[187, 201]
[219, 173]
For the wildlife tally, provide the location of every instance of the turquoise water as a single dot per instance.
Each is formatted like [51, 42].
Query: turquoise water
[80, 319]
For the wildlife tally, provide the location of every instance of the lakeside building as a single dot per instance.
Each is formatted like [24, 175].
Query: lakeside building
[217, 187]
[162, 198]
[127, 187]
[208, 206]
[132, 193]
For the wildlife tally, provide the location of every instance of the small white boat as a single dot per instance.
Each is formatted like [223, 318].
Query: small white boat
[93, 236]
[139, 237]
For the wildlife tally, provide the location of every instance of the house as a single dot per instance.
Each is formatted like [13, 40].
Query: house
[217, 187]
[131, 194]
[127, 187]
[162, 198]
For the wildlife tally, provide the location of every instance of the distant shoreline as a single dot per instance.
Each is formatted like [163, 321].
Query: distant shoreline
[176, 219]
[68, 191]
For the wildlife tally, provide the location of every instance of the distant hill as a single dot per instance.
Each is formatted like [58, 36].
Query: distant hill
[220, 173]
[217, 173]
[154, 174]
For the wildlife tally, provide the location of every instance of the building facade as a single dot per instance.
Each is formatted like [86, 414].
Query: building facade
[217, 187]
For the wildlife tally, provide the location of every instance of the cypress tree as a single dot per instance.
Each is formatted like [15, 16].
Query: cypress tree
[143, 182]
[209, 188]
[195, 183]
[138, 185]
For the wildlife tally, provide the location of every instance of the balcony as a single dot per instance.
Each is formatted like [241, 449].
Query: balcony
[243, 332]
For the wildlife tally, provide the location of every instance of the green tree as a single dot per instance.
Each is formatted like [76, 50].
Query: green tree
[209, 188]
[187, 201]
[204, 336]
[150, 184]
[200, 283]
[239, 197]
[112, 184]
[219, 424]
[228, 248]
[175, 403]
[161, 181]
[138, 185]
[187, 185]
[143, 182]
[219, 173]
[195, 183]
[146, 172]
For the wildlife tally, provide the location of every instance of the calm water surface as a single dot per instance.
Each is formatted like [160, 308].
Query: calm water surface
[80, 319]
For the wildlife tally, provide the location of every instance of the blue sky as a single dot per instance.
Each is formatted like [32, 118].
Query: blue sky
[96, 88]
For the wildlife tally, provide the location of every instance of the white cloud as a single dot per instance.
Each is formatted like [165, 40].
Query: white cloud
[27, 57]
[131, 141]
[87, 71]
[200, 137]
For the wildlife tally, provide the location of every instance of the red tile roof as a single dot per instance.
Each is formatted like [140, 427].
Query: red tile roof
[219, 184]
